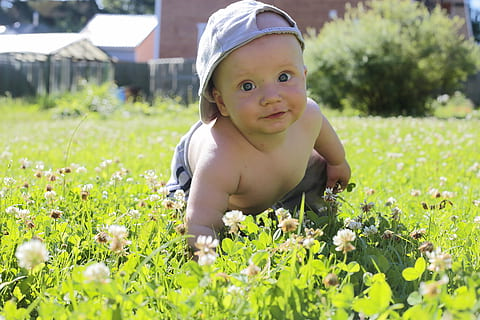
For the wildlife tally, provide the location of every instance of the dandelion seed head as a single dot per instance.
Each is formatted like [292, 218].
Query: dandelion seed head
[97, 272]
[31, 254]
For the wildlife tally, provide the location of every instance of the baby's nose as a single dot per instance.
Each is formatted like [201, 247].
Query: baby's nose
[271, 94]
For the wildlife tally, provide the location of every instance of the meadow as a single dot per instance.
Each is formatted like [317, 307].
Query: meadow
[86, 231]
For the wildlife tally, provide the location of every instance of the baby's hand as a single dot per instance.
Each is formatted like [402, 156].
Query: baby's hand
[338, 175]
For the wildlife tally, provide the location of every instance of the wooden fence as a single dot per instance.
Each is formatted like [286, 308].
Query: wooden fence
[162, 77]
[21, 77]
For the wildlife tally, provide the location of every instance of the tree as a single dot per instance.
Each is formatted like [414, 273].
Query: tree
[129, 6]
[389, 58]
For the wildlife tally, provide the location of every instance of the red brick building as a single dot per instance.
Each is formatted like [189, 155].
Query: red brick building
[183, 20]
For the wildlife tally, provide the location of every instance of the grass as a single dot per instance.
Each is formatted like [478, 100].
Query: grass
[416, 183]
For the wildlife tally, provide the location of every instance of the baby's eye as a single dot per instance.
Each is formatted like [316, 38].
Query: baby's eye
[284, 77]
[247, 86]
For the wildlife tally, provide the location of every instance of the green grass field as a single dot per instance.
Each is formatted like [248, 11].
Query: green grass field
[85, 231]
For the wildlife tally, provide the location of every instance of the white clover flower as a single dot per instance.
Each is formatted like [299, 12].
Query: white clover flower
[367, 206]
[31, 253]
[432, 288]
[12, 210]
[81, 170]
[106, 163]
[415, 192]
[207, 259]
[87, 187]
[308, 242]
[396, 211]
[206, 250]
[118, 231]
[25, 163]
[233, 219]
[104, 194]
[179, 195]
[330, 195]
[282, 214]
[476, 203]
[476, 220]
[118, 237]
[134, 213]
[234, 290]
[369, 231]
[9, 181]
[6, 155]
[251, 270]
[50, 195]
[22, 214]
[390, 202]
[342, 240]
[97, 272]
[439, 261]
[447, 194]
[154, 197]
[352, 224]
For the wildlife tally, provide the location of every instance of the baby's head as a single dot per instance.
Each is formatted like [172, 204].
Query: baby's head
[230, 28]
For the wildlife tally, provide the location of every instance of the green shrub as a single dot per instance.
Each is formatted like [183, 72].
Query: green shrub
[389, 58]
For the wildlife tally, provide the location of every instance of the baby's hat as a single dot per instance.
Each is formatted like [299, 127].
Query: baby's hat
[226, 30]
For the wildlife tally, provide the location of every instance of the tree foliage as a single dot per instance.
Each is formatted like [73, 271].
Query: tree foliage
[129, 6]
[389, 58]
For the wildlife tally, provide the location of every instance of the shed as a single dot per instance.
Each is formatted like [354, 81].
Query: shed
[33, 64]
[127, 38]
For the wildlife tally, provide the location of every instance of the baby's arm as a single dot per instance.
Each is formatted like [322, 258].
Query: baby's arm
[329, 146]
[212, 183]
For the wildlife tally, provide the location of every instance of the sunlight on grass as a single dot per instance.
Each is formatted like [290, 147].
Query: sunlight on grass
[402, 245]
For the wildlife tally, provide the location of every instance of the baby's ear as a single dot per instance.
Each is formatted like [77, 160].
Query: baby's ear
[217, 97]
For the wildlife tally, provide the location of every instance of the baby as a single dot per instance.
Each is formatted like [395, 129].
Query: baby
[261, 142]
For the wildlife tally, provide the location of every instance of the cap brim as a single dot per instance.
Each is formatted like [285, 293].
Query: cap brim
[208, 110]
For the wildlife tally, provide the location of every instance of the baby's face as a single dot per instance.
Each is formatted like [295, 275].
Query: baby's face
[261, 85]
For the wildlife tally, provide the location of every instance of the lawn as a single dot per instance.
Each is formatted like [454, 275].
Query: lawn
[86, 232]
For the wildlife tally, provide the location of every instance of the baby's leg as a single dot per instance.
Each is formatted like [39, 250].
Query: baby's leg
[312, 184]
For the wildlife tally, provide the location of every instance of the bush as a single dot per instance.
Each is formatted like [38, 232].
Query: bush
[389, 58]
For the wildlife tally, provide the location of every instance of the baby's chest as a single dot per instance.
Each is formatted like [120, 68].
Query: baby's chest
[276, 174]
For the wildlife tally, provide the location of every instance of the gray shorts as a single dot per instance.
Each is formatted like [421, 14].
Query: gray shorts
[181, 174]
[312, 184]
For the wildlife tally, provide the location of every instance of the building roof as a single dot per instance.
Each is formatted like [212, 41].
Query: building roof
[38, 46]
[119, 30]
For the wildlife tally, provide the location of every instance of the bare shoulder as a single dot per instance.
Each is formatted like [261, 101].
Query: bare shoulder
[312, 117]
[212, 156]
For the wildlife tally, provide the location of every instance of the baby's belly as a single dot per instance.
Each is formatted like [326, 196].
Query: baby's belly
[260, 199]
